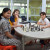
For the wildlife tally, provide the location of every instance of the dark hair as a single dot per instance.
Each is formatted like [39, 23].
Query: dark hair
[0, 16]
[15, 11]
[43, 13]
[4, 11]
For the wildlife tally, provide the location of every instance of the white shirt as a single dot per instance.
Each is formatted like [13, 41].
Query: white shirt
[45, 20]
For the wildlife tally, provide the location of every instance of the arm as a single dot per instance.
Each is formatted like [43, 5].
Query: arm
[9, 35]
[15, 25]
[39, 23]
[46, 26]
[6, 29]
[17, 19]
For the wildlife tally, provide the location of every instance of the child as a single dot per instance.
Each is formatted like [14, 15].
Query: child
[43, 22]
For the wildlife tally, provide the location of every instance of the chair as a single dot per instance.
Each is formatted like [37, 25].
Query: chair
[11, 47]
[23, 18]
[1, 44]
[42, 45]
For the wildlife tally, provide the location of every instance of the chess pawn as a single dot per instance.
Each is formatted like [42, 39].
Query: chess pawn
[35, 26]
[38, 28]
[41, 29]
[25, 28]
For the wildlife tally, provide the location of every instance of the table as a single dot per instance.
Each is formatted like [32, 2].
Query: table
[36, 35]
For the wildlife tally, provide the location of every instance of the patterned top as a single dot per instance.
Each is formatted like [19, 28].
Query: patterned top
[4, 26]
[4, 40]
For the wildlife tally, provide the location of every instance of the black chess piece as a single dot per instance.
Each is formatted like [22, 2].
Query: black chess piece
[41, 29]
[38, 29]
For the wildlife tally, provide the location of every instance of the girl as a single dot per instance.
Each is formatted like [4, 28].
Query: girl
[14, 22]
[14, 18]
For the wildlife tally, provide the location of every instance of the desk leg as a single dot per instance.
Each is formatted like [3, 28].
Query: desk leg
[23, 42]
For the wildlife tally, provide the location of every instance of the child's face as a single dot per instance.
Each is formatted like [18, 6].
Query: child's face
[16, 13]
[43, 16]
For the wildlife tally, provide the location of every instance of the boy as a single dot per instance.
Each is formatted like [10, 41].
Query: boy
[44, 22]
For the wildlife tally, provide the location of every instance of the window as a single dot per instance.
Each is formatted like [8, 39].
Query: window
[3, 4]
[21, 7]
[16, 4]
[22, 10]
[48, 11]
[48, 7]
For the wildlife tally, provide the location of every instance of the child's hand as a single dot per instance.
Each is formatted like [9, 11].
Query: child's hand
[44, 23]
[21, 25]
[16, 16]
[43, 27]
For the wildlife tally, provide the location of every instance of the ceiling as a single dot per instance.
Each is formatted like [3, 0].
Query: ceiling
[15, 1]
[19, 1]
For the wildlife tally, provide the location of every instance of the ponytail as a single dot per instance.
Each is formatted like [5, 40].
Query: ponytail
[0, 16]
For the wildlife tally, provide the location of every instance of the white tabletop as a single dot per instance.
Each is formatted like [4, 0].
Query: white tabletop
[37, 34]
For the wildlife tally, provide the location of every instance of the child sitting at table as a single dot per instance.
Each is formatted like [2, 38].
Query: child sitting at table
[43, 22]
[14, 22]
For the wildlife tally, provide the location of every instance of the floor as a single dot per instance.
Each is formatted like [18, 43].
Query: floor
[37, 47]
